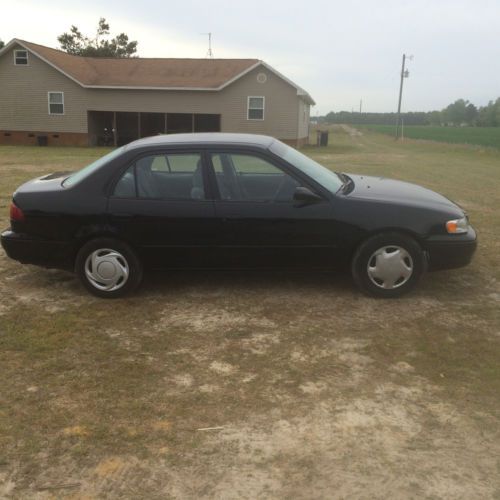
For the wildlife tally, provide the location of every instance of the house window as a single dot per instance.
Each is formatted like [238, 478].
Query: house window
[20, 57]
[56, 103]
[255, 108]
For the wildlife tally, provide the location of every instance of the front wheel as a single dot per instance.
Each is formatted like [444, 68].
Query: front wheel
[388, 265]
[108, 268]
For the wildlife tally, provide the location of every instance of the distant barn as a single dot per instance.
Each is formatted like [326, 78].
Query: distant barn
[49, 96]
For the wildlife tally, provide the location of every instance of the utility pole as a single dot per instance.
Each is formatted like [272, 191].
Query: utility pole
[360, 106]
[404, 74]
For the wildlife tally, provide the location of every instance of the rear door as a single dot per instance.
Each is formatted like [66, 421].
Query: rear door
[262, 225]
[162, 205]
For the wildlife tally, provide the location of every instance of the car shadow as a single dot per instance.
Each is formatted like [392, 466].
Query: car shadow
[167, 281]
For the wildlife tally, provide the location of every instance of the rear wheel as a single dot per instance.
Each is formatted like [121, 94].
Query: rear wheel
[108, 268]
[388, 265]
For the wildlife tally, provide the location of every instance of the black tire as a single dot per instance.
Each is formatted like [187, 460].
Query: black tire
[407, 254]
[117, 259]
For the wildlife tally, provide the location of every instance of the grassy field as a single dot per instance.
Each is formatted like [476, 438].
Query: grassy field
[209, 385]
[480, 136]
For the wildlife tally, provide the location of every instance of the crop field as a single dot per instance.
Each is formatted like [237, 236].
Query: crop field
[258, 385]
[480, 136]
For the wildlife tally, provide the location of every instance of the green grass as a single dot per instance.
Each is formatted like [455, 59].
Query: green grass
[480, 136]
[90, 385]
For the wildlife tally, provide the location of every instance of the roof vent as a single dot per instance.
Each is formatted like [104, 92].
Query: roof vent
[262, 78]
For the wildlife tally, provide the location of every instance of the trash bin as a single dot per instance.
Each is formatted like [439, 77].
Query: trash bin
[42, 140]
[322, 138]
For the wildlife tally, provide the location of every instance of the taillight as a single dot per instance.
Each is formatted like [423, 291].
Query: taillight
[16, 214]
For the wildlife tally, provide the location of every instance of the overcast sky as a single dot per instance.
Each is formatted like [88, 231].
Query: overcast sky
[339, 51]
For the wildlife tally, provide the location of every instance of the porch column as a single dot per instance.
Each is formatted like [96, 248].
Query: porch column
[115, 132]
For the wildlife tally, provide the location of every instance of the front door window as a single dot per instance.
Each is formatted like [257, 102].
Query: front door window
[247, 177]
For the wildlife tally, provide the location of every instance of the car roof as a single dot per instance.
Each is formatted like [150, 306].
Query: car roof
[263, 141]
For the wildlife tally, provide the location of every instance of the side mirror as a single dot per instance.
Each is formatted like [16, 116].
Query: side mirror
[305, 196]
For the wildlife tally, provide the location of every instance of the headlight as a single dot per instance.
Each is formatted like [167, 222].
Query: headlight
[457, 226]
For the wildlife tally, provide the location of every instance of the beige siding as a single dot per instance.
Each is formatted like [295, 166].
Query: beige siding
[24, 101]
[304, 117]
[281, 104]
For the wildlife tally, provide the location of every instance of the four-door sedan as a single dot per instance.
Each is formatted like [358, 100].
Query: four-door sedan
[231, 201]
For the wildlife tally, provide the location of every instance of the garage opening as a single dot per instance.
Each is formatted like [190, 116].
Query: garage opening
[179, 123]
[127, 127]
[108, 128]
[206, 123]
[152, 124]
[100, 128]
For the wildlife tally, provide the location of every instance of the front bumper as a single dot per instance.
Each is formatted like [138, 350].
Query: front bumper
[29, 250]
[451, 251]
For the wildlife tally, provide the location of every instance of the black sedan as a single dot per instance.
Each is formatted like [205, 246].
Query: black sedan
[231, 201]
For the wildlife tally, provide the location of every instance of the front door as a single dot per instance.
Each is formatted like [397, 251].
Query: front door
[262, 224]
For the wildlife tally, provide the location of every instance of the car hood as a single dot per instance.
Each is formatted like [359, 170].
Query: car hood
[390, 190]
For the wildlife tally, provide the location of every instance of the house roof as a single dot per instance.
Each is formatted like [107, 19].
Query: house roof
[146, 73]
[142, 72]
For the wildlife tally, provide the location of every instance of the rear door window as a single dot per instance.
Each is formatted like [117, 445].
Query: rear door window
[175, 176]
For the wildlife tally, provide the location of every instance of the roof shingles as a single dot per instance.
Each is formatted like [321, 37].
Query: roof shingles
[142, 72]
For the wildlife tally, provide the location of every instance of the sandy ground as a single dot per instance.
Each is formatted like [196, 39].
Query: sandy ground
[312, 392]
[249, 385]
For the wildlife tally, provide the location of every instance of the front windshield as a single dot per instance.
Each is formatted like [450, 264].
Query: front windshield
[328, 179]
[86, 171]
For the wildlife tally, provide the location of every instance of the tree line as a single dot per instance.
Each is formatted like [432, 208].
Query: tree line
[458, 113]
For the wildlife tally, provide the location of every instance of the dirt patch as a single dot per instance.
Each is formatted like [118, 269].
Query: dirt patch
[222, 368]
[351, 131]
[303, 387]
[345, 442]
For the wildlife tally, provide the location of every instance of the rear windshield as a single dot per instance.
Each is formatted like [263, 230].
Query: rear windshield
[89, 169]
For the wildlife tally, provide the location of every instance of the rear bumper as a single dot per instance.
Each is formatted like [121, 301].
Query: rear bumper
[451, 251]
[29, 250]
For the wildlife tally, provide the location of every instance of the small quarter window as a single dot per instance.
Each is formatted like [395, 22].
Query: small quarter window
[20, 57]
[255, 108]
[56, 103]
[125, 187]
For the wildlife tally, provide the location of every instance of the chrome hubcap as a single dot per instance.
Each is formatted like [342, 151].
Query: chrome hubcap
[106, 269]
[390, 267]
